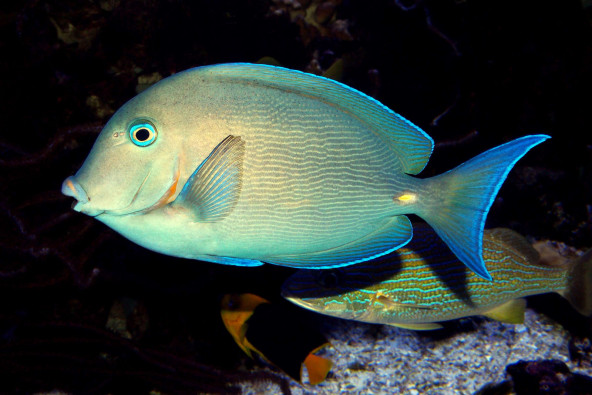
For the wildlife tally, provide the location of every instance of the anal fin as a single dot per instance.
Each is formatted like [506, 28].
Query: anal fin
[225, 260]
[394, 233]
[423, 326]
[511, 312]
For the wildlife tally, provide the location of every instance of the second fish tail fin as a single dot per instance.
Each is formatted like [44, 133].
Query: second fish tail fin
[578, 289]
[459, 200]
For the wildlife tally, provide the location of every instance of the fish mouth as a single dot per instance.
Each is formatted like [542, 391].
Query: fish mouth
[166, 197]
[71, 187]
[298, 301]
[297, 296]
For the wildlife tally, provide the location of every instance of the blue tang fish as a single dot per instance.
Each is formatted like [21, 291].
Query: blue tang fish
[242, 164]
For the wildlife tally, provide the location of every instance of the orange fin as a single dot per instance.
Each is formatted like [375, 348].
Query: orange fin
[235, 312]
[317, 367]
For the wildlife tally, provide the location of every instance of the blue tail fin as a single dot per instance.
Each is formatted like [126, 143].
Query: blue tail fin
[460, 199]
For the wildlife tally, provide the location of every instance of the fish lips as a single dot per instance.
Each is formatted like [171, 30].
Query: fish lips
[71, 187]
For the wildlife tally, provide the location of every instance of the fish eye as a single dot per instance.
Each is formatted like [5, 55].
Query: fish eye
[142, 134]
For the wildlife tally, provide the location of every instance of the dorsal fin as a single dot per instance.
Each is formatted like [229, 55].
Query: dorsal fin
[411, 144]
[511, 240]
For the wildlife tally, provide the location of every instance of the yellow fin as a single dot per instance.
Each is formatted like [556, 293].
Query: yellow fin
[317, 368]
[269, 61]
[424, 326]
[335, 71]
[511, 312]
[236, 309]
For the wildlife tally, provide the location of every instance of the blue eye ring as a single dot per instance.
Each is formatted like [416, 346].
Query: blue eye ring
[142, 134]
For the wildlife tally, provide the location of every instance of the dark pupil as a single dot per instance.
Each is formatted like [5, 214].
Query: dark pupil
[142, 134]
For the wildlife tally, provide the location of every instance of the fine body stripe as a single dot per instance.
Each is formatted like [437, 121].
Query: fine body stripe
[313, 177]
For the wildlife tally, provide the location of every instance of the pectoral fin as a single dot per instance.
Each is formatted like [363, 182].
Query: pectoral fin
[511, 312]
[212, 191]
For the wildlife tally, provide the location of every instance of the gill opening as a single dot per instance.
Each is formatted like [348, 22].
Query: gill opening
[122, 211]
[169, 193]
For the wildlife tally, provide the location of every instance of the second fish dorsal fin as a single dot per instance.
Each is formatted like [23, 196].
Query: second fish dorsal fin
[509, 239]
[213, 189]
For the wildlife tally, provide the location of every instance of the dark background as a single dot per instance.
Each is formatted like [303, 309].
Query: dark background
[473, 74]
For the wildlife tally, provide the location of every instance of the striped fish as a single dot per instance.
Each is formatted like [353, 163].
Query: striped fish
[424, 283]
[243, 164]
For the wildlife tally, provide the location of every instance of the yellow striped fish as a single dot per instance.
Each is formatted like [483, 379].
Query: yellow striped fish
[247, 163]
[423, 283]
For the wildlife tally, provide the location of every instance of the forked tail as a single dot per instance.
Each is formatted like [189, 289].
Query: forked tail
[458, 201]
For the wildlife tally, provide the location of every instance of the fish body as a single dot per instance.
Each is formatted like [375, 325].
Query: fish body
[243, 164]
[424, 283]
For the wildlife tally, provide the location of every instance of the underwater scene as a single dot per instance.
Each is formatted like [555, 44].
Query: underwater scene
[295, 197]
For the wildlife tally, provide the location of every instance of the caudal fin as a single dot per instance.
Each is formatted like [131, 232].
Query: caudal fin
[579, 284]
[461, 198]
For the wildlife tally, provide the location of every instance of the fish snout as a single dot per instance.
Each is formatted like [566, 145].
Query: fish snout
[70, 187]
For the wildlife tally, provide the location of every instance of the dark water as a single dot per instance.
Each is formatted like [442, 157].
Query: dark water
[473, 74]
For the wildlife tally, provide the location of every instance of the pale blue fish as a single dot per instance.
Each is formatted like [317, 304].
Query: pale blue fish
[423, 283]
[242, 164]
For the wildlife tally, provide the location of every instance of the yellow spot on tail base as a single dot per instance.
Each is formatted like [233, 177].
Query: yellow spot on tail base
[406, 198]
